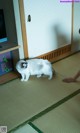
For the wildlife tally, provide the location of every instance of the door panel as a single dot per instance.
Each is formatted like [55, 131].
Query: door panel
[50, 25]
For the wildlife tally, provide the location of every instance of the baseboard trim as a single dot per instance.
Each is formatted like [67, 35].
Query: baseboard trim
[57, 54]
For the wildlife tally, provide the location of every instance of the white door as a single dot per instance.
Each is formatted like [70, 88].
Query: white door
[50, 25]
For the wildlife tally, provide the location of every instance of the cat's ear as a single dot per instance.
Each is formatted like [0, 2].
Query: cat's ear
[24, 65]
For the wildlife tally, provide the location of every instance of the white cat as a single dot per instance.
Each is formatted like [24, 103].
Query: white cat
[37, 67]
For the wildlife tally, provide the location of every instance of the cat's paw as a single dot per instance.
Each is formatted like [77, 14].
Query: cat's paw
[22, 79]
[25, 79]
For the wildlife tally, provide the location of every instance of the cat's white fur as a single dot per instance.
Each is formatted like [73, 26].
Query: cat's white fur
[37, 67]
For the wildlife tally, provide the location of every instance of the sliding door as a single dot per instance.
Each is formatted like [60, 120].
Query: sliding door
[48, 25]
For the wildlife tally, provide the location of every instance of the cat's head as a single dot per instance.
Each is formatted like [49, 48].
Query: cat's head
[24, 65]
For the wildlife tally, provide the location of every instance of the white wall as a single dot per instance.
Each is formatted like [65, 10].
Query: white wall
[50, 26]
[18, 28]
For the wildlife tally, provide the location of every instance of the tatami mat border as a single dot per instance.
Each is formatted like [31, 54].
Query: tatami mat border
[36, 128]
[47, 110]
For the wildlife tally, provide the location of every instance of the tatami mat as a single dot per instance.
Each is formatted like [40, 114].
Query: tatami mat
[27, 128]
[63, 119]
[68, 66]
[20, 101]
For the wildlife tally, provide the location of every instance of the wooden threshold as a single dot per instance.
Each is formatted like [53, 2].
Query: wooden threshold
[8, 77]
[57, 54]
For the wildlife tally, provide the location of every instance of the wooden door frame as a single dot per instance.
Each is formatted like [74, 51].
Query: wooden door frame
[72, 24]
[23, 28]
